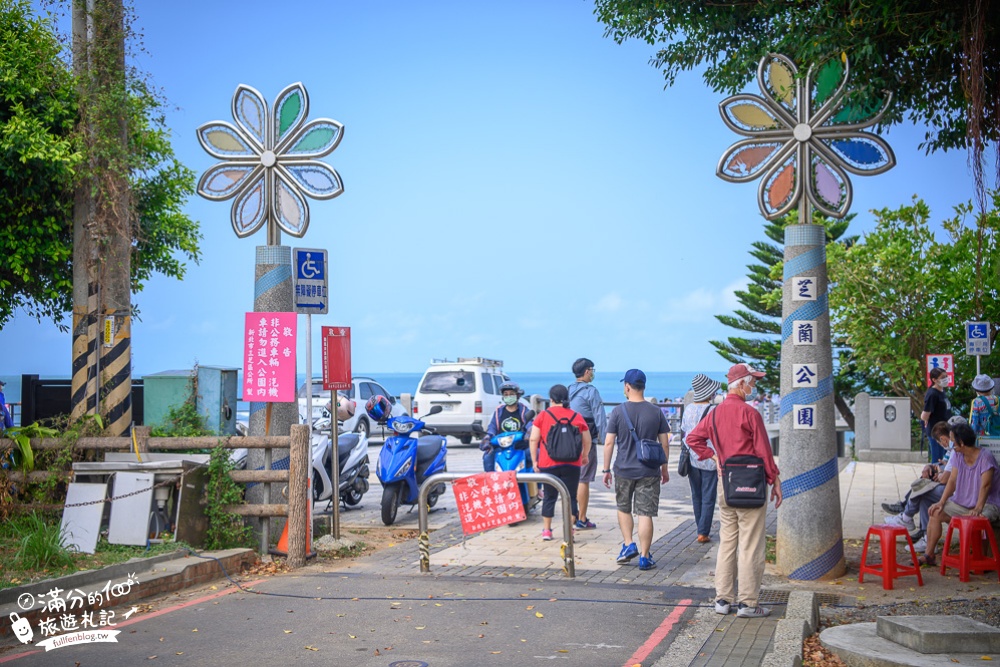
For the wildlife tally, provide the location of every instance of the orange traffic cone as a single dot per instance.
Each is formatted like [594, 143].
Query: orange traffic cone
[281, 549]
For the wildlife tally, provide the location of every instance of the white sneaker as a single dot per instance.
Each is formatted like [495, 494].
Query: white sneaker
[721, 607]
[752, 612]
[901, 520]
[921, 545]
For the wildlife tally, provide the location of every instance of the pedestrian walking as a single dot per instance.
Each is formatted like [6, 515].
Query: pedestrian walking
[637, 486]
[702, 475]
[937, 408]
[551, 431]
[737, 429]
[586, 400]
[6, 421]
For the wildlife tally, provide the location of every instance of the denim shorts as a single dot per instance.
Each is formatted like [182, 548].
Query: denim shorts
[638, 496]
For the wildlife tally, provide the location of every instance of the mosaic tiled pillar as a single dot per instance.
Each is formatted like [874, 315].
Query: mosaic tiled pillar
[810, 533]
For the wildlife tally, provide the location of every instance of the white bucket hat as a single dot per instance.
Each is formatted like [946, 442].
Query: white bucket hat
[983, 383]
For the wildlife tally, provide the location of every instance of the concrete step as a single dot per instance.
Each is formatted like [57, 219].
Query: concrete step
[939, 634]
[859, 645]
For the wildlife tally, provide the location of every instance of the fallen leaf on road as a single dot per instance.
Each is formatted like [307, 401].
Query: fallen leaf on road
[353, 636]
[438, 604]
[179, 653]
[288, 632]
[530, 607]
[481, 636]
[539, 614]
[421, 627]
[213, 588]
[376, 652]
[195, 630]
[311, 648]
[562, 650]
[986, 657]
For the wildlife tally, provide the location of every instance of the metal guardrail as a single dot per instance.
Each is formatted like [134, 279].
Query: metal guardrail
[566, 550]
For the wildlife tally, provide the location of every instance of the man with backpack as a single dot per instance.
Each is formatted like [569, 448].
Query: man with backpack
[560, 444]
[985, 407]
[637, 484]
[586, 400]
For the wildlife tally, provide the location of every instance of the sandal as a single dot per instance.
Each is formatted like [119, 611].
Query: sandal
[927, 561]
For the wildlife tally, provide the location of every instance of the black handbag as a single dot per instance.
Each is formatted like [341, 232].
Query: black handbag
[743, 480]
[649, 452]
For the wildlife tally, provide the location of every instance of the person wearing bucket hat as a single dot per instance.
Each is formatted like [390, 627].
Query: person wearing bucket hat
[702, 475]
[985, 417]
[6, 421]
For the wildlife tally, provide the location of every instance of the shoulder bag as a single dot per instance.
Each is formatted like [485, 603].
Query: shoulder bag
[743, 480]
[649, 452]
[684, 464]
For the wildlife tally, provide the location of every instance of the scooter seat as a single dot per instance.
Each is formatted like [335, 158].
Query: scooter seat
[428, 447]
[345, 443]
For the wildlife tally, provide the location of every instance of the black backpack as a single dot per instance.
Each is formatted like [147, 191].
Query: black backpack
[564, 443]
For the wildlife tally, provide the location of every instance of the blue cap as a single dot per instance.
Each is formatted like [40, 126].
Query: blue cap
[634, 375]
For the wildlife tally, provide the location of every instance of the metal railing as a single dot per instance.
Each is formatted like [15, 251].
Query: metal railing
[566, 550]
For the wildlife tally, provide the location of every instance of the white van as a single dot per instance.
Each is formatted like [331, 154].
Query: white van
[468, 390]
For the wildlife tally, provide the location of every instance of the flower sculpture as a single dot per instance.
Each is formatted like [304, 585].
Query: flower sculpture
[270, 159]
[801, 154]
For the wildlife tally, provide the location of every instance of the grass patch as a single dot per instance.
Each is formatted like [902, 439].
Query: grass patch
[31, 550]
[770, 548]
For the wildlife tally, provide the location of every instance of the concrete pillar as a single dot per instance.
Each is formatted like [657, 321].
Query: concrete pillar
[810, 534]
[272, 293]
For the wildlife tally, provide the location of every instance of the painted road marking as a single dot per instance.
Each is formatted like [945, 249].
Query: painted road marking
[658, 635]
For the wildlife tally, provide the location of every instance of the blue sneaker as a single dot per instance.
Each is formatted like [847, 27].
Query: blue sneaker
[627, 553]
[646, 563]
[585, 525]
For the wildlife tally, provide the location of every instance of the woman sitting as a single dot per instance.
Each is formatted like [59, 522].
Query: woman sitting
[972, 490]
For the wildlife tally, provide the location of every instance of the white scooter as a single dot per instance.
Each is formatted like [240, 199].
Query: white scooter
[352, 453]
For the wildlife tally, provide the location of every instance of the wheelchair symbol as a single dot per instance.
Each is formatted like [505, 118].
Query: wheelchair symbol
[310, 269]
[977, 332]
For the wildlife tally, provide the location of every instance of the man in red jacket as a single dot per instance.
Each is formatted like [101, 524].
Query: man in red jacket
[738, 429]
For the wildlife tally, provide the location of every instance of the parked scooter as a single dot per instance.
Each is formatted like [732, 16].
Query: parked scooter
[406, 458]
[352, 454]
[510, 448]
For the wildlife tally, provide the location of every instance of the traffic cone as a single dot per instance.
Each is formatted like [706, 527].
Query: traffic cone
[281, 549]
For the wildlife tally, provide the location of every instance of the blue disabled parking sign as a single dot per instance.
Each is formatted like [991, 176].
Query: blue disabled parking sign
[977, 339]
[310, 283]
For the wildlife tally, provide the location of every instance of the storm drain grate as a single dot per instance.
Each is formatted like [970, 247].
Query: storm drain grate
[781, 597]
[408, 663]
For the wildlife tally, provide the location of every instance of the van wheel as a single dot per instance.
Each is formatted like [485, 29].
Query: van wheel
[363, 428]
[466, 439]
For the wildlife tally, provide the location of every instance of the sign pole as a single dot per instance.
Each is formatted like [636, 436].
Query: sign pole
[309, 371]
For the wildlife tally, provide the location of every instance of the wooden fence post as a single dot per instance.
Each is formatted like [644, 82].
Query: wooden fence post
[298, 474]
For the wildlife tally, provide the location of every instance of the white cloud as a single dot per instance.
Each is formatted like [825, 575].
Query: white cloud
[609, 303]
[702, 304]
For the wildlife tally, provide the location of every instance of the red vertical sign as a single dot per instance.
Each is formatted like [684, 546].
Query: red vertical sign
[269, 357]
[945, 362]
[488, 500]
[336, 358]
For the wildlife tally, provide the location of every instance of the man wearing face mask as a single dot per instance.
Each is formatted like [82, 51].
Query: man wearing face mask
[937, 408]
[585, 400]
[511, 416]
[737, 429]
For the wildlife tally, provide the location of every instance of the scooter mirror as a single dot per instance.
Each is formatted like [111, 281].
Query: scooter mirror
[436, 409]
[529, 415]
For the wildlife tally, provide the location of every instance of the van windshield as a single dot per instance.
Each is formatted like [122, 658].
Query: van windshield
[448, 382]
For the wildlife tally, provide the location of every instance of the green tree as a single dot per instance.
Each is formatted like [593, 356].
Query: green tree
[42, 155]
[940, 60]
[761, 312]
[900, 294]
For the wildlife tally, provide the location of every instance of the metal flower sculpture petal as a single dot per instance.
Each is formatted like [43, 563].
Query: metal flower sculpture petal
[270, 160]
[802, 138]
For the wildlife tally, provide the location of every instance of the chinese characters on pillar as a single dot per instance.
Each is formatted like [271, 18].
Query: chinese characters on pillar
[488, 500]
[803, 288]
[803, 375]
[269, 358]
[804, 416]
[804, 332]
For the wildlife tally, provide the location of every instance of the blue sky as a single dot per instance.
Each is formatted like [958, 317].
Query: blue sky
[517, 186]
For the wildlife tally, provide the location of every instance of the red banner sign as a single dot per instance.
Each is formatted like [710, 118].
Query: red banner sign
[269, 358]
[488, 500]
[336, 358]
[945, 362]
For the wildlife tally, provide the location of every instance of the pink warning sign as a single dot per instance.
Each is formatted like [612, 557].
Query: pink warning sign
[269, 358]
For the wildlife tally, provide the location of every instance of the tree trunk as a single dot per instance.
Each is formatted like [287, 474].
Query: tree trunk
[844, 409]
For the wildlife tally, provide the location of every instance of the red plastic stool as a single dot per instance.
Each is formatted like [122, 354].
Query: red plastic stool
[972, 531]
[888, 569]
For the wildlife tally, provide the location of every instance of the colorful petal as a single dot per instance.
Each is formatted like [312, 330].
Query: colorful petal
[316, 179]
[224, 141]
[250, 112]
[316, 139]
[777, 78]
[291, 211]
[862, 153]
[829, 185]
[830, 77]
[750, 115]
[249, 211]
[745, 159]
[290, 108]
[225, 180]
[780, 188]
[858, 112]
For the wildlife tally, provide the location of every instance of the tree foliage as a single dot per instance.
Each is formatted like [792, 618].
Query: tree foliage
[41, 157]
[939, 59]
[901, 294]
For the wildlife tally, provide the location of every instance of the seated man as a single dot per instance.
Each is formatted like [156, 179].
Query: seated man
[973, 489]
[926, 490]
[900, 505]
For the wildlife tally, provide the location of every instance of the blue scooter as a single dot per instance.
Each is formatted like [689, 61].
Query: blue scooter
[406, 460]
[510, 454]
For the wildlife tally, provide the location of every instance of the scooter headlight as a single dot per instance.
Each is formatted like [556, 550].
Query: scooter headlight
[402, 427]
[404, 468]
[506, 441]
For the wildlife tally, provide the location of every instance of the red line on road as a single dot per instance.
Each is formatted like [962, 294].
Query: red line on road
[146, 617]
[658, 634]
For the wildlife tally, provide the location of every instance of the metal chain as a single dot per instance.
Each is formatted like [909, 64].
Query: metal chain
[166, 482]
